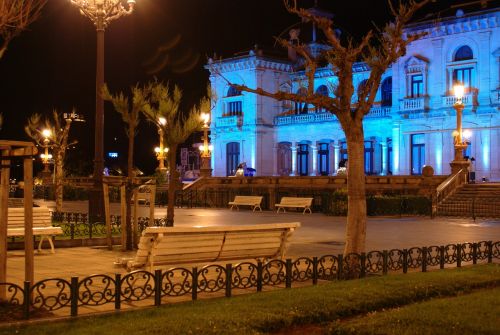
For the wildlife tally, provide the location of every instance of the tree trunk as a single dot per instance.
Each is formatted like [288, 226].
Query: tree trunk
[129, 189]
[356, 190]
[172, 185]
[59, 175]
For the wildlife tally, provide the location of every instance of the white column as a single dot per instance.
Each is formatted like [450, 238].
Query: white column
[437, 85]
[385, 154]
[396, 130]
[483, 69]
[275, 160]
[314, 160]
[294, 159]
[336, 148]
[331, 158]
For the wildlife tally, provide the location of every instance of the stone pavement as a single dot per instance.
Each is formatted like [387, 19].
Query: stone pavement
[319, 235]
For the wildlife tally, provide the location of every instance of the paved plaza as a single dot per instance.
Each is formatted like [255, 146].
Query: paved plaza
[318, 235]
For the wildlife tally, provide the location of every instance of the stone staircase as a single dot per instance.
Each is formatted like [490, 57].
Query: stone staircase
[473, 200]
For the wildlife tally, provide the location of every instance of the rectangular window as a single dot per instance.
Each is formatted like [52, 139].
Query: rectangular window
[303, 159]
[417, 153]
[417, 86]
[463, 76]
[369, 157]
[234, 108]
[323, 158]
[389, 156]
[232, 157]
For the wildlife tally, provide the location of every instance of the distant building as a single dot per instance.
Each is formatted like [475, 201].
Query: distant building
[409, 126]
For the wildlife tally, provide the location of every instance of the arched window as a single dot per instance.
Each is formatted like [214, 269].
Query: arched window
[386, 92]
[300, 107]
[232, 92]
[232, 157]
[463, 53]
[464, 72]
[321, 90]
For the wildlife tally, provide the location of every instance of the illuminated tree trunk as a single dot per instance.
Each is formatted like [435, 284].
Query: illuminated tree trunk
[59, 175]
[129, 190]
[172, 184]
[356, 190]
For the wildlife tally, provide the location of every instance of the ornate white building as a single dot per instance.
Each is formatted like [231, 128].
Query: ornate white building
[409, 126]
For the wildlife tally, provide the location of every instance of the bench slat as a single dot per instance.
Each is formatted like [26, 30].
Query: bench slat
[170, 245]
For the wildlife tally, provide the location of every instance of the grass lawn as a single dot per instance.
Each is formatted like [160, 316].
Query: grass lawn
[280, 309]
[475, 313]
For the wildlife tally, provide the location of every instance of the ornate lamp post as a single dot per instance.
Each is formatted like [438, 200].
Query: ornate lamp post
[458, 162]
[101, 13]
[161, 151]
[45, 156]
[206, 148]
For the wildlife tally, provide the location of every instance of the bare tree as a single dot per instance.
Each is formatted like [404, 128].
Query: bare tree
[16, 16]
[165, 103]
[130, 112]
[59, 129]
[378, 49]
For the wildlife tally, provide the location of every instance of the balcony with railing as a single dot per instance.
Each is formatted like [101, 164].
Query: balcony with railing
[379, 112]
[417, 104]
[229, 121]
[469, 99]
[312, 117]
[304, 118]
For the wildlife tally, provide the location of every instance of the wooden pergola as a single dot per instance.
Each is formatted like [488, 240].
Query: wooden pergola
[9, 151]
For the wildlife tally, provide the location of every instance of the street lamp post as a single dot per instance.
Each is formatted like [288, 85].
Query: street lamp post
[45, 156]
[459, 162]
[101, 13]
[206, 148]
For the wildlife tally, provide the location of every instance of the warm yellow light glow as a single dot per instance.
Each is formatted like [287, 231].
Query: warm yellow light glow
[459, 91]
[46, 133]
[205, 117]
[467, 134]
[210, 147]
[162, 121]
[455, 133]
[157, 149]
[165, 150]
[201, 147]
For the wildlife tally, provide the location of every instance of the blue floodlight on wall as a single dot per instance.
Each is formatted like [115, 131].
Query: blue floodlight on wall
[112, 154]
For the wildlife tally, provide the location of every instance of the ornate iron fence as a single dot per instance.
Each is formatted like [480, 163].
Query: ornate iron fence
[159, 286]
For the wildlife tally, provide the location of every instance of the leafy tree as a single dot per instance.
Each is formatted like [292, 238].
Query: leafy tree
[59, 129]
[16, 16]
[165, 103]
[378, 49]
[130, 112]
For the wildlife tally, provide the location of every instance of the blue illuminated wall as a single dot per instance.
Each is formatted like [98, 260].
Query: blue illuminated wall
[410, 124]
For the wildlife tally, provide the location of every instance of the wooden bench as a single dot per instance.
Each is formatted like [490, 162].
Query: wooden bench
[246, 200]
[181, 245]
[293, 202]
[42, 225]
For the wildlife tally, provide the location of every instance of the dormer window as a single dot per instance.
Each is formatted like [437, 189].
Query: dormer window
[416, 77]
[233, 102]
[321, 90]
[233, 92]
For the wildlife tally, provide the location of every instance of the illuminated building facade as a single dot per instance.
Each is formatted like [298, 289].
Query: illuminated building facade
[409, 126]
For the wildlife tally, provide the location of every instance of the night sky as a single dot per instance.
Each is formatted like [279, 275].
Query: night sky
[52, 65]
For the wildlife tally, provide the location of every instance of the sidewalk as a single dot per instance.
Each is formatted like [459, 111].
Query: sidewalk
[319, 235]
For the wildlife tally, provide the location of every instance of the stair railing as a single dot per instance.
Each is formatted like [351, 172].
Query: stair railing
[448, 187]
